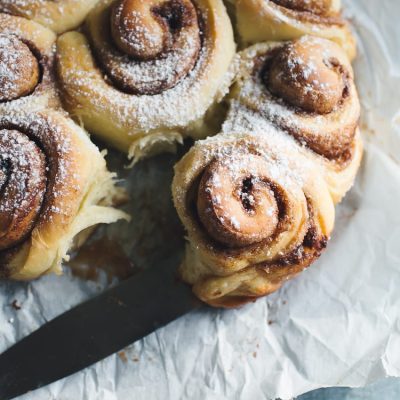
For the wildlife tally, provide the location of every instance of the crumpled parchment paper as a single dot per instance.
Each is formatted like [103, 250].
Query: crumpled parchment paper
[336, 324]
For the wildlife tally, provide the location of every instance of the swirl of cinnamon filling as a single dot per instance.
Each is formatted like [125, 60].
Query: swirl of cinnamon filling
[237, 208]
[305, 87]
[19, 69]
[22, 186]
[309, 77]
[34, 163]
[48, 168]
[26, 65]
[256, 213]
[150, 45]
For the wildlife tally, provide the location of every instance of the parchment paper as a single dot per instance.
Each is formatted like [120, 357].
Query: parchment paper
[337, 324]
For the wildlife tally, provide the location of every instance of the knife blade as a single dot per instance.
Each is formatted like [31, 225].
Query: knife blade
[95, 329]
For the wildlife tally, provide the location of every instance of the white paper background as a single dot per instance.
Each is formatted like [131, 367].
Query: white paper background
[337, 324]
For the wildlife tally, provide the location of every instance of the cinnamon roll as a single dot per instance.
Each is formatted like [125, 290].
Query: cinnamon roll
[145, 73]
[54, 184]
[261, 20]
[57, 15]
[256, 212]
[26, 65]
[304, 89]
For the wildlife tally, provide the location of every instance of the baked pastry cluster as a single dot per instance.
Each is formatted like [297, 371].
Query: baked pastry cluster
[257, 199]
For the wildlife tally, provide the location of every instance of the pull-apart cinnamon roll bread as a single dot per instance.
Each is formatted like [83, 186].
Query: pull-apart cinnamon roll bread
[262, 20]
[58, 15]
[304, 89]
[145, 72]
[54, 184]
[256, 212]
[26, 65]
[258, 199]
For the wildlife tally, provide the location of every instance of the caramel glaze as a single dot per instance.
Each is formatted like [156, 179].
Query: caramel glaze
[149, 35]
[102, 255]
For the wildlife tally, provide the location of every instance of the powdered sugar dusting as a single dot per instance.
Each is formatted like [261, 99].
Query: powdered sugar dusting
[169, 111]
[331, 133]
[26, 63]
[56, 148]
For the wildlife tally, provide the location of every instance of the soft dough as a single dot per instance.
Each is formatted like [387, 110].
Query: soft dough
[142, 99]
[54, 184]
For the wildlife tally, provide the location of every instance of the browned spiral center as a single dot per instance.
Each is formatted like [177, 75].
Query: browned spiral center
[19, 69]
[306, 74]
[162, 39]
[22, 186]
[320, 7]
[236, 203]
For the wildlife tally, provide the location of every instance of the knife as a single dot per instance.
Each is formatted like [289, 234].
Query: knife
[95, 329]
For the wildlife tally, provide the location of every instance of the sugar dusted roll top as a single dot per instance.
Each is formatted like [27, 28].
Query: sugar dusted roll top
[256, 214]
[258, 199]
[57, 15]
[262, 20]
[146, 72]
[26, 65]
[304, 89]
[54, 184]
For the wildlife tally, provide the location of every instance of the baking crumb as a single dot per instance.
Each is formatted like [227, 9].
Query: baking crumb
[15, 305]
[123, 356]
